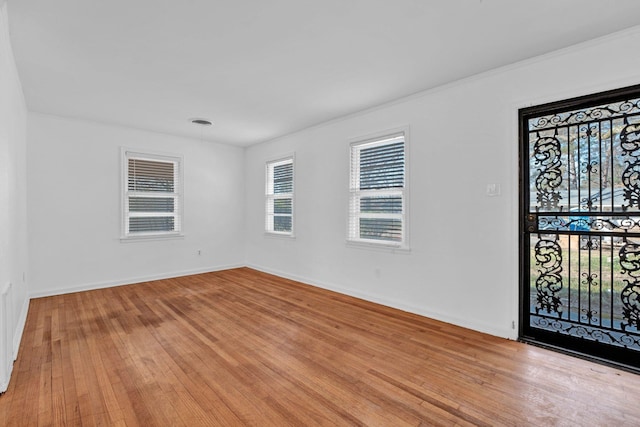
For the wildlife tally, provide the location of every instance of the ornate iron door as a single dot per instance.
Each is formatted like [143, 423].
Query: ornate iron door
[580, 226]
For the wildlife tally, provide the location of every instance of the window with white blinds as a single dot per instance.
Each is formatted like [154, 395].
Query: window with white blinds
[377, 202]
[152, 195]
[279, 197]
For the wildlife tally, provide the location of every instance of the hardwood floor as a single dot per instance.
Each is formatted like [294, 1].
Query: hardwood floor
[240, 347]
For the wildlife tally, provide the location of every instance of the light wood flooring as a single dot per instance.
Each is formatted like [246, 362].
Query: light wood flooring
[240, 347]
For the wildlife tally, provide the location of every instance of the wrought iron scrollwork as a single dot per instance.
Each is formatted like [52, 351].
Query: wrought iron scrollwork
[614, 224]
[589, 243]
[590, 279]
[548, 255]
[546, 151]
[630, 144]
[594, 333]
[581, 198]
[619, 109]
[589, 315]
[630, 263]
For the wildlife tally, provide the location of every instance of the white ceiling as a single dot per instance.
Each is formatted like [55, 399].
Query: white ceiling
[260, 69]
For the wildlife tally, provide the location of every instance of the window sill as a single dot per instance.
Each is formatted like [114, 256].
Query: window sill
[275, 235]
[151, 237]
[381, 247]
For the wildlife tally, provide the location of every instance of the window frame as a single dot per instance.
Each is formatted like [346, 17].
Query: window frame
[269, 216]
[126, 194]
[353, 210]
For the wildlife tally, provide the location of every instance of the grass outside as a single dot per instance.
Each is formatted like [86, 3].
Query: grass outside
[592, 279]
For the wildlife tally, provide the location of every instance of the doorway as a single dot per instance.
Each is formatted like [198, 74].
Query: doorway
[580, 226]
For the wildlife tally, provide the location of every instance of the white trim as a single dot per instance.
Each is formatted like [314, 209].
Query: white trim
[6, 360]
[371, 140]
[382, 138]
[291, 157]
[178, 213]
[143, 237]
[430, 314]
[19, 329]
[374, 136]
[279, 235]
[131, 281]
[514, 225]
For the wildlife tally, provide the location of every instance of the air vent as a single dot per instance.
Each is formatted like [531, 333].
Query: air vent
[201, 122]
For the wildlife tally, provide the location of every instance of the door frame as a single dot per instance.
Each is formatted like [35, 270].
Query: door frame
[625, 358]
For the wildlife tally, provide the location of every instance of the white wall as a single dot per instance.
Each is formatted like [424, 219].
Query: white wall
[463, 264]
[13, 224]
[75, 200]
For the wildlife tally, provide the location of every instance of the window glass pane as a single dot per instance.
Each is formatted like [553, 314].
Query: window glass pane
[381, 204]
[151, 189]
[149, 224]
[283, 178]
[281, 223]
[382, 166]
[377, 202]
[148, 175]
[381, 229]
[279, 196]
[282, 206]
[151, 204]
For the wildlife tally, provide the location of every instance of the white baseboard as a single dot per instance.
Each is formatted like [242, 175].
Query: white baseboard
[6, 363]
[19, 331]
[426, 312]
[432, 314]
[14, 340]
[130, 281]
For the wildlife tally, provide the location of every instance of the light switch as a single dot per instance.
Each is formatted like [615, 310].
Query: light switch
[493, 190]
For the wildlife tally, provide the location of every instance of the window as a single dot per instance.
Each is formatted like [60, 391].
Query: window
[152, 195]
[279, 197]
[377, 203]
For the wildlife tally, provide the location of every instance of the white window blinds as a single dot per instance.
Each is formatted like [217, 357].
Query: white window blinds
[279, 197]
[151, 195]
[377, 191]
